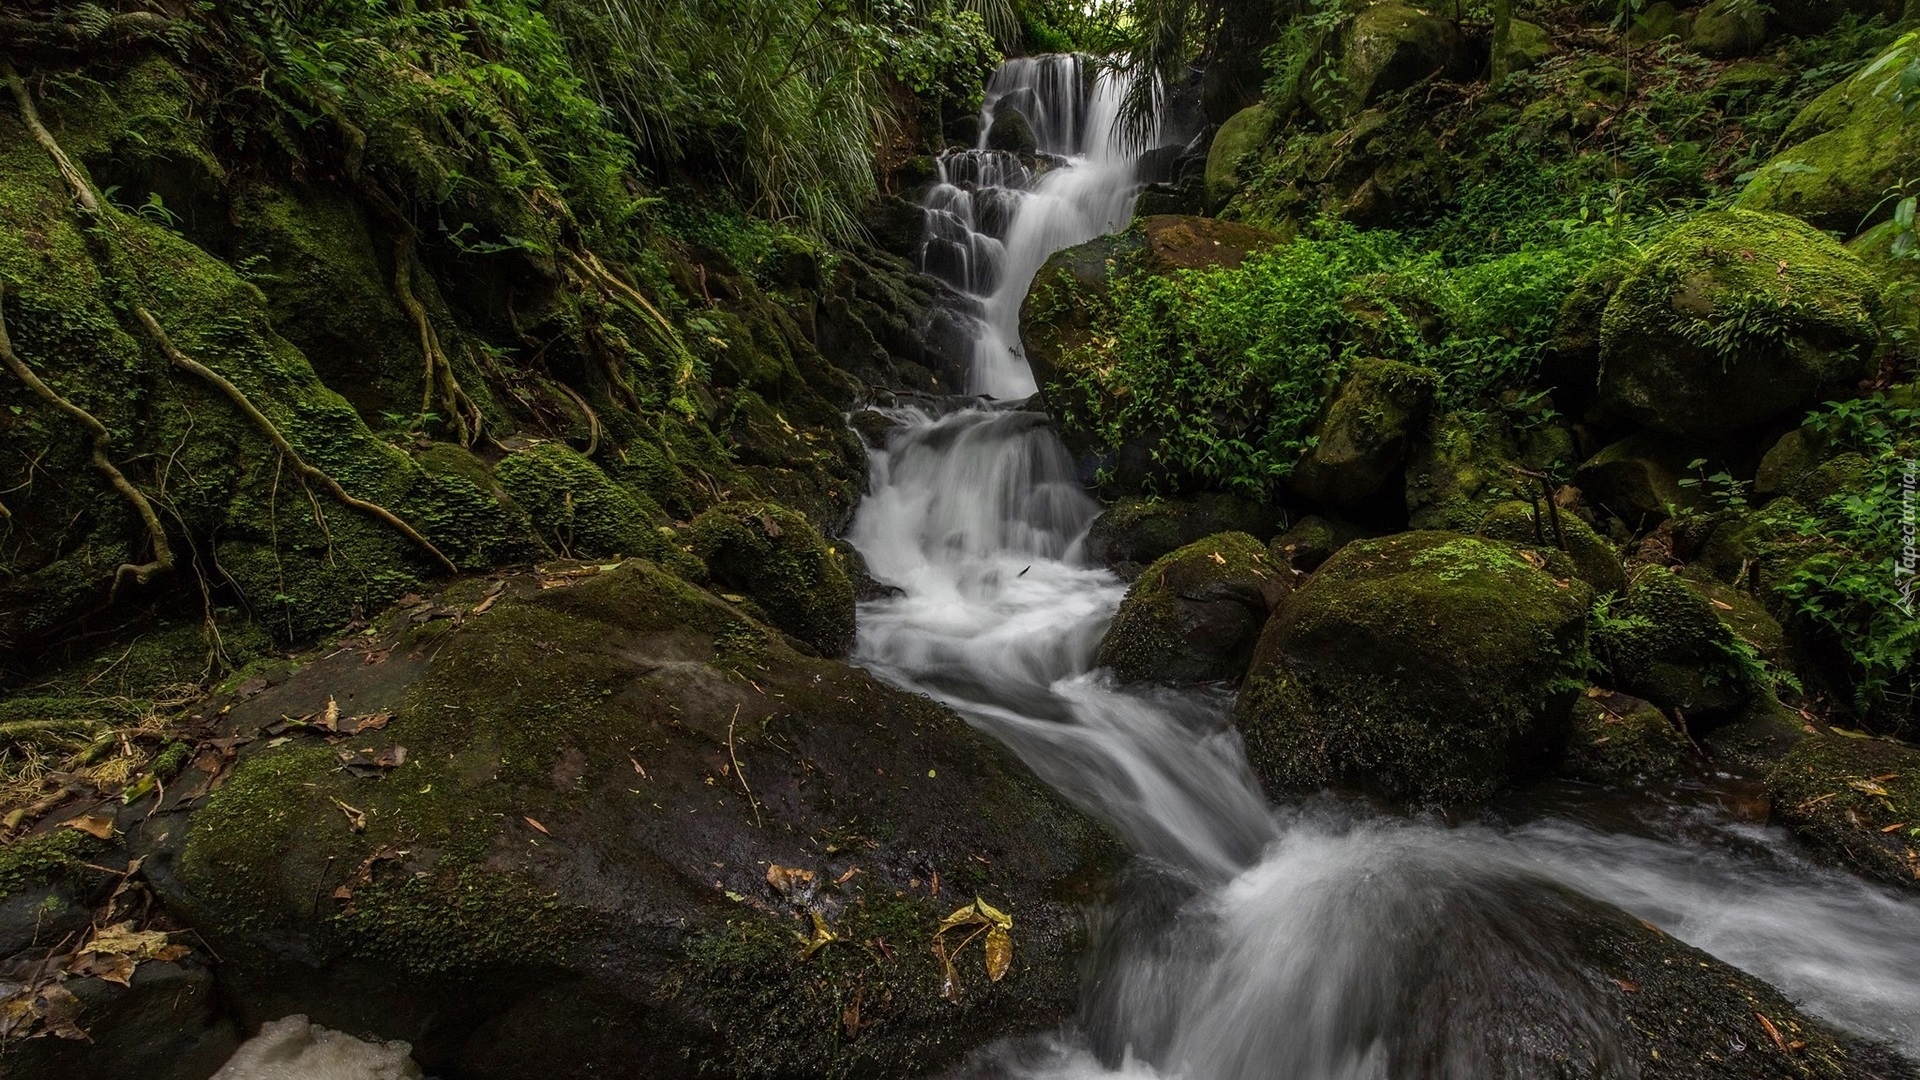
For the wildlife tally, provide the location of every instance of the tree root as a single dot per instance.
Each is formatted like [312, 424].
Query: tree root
[162, 553]
[593, 418]
[186, 363]
[29, 33]
[82, 190]
[595, 271]
[439, 369]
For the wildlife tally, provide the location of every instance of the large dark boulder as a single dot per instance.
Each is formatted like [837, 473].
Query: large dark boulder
[1732, 320]
[571, 870]
[1194, 615]
[1425, 665]
[1389, 46]
[781, 562]
[1136, 532]
[1668, 642]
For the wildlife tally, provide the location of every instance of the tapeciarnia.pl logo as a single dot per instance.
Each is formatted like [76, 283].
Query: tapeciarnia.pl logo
[1905, 566]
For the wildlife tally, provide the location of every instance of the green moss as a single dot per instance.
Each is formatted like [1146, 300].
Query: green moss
[1426, 665]
[1359, 443]
[576, 507]
[776, 557]
[457, 922]
[1666, 642]
[1242, 135]
[1459, 471]
[1845, 794]
[55, 857]
[1733, 319]
[1529, 524]
[1618, 738]
[1155, 637]
[1843, 153]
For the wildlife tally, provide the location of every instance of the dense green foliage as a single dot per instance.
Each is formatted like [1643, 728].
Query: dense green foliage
[1232, 367]
[1852, 587]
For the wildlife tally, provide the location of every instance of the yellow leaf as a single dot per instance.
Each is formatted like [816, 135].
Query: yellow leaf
[999, 953]
[993, 914]
[98, 826]
[823, 936]
[1867, 787]
[967, 915]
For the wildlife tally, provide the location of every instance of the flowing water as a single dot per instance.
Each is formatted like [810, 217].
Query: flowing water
[1251, 940]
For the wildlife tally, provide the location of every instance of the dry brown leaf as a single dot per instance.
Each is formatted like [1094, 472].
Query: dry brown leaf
[537, 825]
[1773, 1033]
[1867, 787]
[790, 881]
[97, 825]
[492, 598]
[59, 1011]
[330, 716]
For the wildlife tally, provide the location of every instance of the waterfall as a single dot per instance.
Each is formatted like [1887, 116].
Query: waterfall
[993, 218]
[1321, 941]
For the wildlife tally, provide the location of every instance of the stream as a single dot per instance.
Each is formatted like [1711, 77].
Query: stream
[1249, 939]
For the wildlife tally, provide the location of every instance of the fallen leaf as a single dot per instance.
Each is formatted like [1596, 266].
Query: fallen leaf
[850, 1016]
[1773, 1033]
[999, 953]
[356, 819]
[1867, 787]
[994, 915]
[492, 598]
[330, 717]
[1627, 985]
[790, 882]
[846, 877]
[98, 826]
[59, 1012]
[823, 936]
[537, 825]
[354, 725]
[1895, 827]
[949, 978]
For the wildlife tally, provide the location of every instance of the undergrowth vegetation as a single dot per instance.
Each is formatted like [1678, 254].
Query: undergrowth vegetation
[1232, 367]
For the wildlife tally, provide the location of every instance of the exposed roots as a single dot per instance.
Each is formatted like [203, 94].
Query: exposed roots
[272, 432]
[76, 181]
[590, 266]
[162, 553]
[593, 418]
[439, 375]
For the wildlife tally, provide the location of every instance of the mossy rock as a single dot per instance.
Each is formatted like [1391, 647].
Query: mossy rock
[575, 507]
[1243, 135]
[576, 848]
[1843, 153]
[776, 557]
[1733, 319]
[1426, 665]
[1461, 468]
[1788, 461]
[1900, 298]
[1638, 479]
[1530, 525]
[1012, 134]
[1843, 793]
[1135, 532]
[1618, 738]
[1726, 29]
[1194, 615]
[1363, 437]
[1668, 643]
[1313, 540]
[1528, 45]
[1388, 47]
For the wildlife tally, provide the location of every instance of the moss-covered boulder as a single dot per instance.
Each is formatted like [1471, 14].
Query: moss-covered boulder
[1012, 134]
[1638, 479]
[1363, 437]
[576, 508]
[1725, 29]
[1844, 152]
[1618, 738]
[571, 869]
[778, 559]
[1194, 615]
[1136, 532]
[1856, 798]
[1466, 463]
[1312, 540]
[1426, 665]
[1387, 47]
[1733, 319]
[1528, 45]
[1530, 524]
[1244, 134]
[1666, 641]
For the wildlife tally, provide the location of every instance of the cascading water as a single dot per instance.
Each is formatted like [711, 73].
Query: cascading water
[1306, 943]
[993, 218]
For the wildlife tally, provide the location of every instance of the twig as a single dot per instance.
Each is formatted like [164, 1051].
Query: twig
[266, 426]
[739, 772]
[439, 369]
[162, 553]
